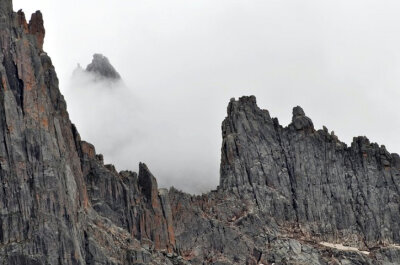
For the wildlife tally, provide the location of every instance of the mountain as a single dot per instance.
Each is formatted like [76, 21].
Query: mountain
[287, 195]
[101, 66]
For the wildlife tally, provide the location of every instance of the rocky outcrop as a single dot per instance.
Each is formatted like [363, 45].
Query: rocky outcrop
[130, 201]
[36, 29]
[42, 187]
[331, 190]
[284, 190]
[48, 208]
[101, 66]
[287, 195]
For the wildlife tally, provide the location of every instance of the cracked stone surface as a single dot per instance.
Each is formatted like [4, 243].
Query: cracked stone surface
[287, 195]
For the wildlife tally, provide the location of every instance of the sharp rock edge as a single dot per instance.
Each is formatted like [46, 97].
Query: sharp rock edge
[286, 194]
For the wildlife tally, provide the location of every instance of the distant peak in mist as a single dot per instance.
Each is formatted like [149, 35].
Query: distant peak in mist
[102, 67]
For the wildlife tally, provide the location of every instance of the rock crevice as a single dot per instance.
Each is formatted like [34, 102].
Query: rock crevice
[283, 190]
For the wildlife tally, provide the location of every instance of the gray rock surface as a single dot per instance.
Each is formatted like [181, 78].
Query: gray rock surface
[101, 66]
[48, 208]
[328, 188]
[283, 190]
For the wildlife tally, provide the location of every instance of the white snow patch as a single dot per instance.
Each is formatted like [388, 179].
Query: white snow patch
[395, 246]
[345, 248]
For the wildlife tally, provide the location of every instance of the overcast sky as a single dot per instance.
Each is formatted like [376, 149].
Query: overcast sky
[182, 61]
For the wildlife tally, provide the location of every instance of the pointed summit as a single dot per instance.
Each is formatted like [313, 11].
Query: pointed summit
[36, 28]
[298, 111]
[300, 121]
[102, 66]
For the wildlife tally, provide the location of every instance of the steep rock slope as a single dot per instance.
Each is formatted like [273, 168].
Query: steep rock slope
[330, 189]
[282, 192]
[285, 191]
[42, 186]
[46, 209]
[131, 201]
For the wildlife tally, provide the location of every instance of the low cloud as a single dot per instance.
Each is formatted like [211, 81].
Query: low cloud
[181, 62]
[128, 128]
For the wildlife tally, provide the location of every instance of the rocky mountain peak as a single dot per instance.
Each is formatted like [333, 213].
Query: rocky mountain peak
[147, 182]
[36, 28]
[300, 121]
[287, 195]
[298, 111]
[101, 65]
[245, 102]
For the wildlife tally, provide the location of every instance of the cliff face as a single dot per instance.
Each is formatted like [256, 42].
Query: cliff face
[132, 202]
[42, 187]
[330, 190]
[283, 191]
[51, 181]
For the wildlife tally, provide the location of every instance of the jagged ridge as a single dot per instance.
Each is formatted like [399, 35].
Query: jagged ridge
[49, 213]
[282, 190]
[323, 180]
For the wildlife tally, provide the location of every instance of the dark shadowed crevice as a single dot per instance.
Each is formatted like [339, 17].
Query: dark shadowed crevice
[15, 83]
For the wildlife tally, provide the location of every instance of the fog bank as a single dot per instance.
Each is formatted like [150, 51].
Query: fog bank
[127, 128]
[181, 62]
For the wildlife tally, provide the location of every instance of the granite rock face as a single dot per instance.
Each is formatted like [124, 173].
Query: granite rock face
[287, 195]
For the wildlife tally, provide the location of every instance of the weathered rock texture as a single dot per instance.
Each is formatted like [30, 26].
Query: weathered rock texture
[51, 182]
[282, 192]
[331, 190]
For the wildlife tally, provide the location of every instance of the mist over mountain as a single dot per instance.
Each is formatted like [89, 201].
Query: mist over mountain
[290, 195]
[101, 66]
[187, 58]
[128, 128]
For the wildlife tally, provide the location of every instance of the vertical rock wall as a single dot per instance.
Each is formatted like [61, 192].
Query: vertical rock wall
[282, 190]
[328, 188]
[42, 189]
[49, 178]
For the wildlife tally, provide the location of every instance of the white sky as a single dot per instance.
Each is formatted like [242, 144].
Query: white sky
[183, 60]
